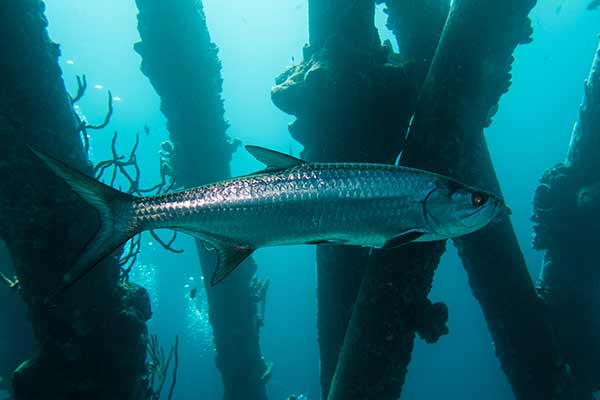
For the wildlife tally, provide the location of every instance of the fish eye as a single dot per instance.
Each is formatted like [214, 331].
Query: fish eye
[478, 199]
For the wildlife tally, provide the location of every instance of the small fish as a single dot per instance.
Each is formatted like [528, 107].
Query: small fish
[558, 9]
[593, 4]
[290, 202]
[147, 130]
[193, 293]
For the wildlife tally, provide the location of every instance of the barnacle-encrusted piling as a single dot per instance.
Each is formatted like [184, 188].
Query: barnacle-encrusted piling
[353, 102]
[567, 227]
[417, 25]
[469, 73]
[182, 64]
[457, 100]
[44, 225]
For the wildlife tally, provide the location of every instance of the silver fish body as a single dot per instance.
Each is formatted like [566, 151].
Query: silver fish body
[356, 204]
[291, 202]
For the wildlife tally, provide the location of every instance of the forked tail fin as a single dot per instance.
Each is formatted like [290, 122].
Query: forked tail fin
[112, 206]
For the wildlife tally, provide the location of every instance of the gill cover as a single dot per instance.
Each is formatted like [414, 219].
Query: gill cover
[452, 209]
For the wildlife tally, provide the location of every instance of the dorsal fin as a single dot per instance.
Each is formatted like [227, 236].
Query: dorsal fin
[274, 160]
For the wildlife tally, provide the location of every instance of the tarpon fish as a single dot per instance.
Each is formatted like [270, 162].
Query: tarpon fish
[290, 202]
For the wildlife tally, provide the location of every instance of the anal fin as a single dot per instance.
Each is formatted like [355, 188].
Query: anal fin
[402, 238]
[229, 256]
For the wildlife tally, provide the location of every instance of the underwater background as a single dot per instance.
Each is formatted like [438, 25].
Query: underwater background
[256, 41]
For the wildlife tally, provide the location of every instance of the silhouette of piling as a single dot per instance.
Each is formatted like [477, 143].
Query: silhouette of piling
[44, 224]
[459, 97]
[353, 100]
[183, 66]
[417, 26]
[567, 222]
[457, 100]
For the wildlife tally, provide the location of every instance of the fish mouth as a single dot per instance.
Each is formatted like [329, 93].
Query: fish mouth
[500, 207]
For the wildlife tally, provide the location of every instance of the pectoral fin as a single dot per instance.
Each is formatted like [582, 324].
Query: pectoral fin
[327, 241]
[403, 238]
[228, 258]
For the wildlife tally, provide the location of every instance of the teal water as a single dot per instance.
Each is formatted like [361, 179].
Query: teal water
[257, 40]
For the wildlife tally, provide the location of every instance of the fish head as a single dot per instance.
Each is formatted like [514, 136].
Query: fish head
[453, 209]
